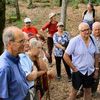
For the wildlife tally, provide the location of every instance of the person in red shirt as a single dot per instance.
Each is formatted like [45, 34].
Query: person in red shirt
[29, 28]
[52, 28]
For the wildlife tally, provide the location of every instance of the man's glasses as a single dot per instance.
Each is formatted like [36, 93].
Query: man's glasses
[97, 29]
[85, 30]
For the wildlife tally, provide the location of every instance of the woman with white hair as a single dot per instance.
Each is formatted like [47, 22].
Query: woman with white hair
[37, 56]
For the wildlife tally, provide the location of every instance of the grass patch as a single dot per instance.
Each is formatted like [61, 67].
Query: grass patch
[19, 23]
[74, 3]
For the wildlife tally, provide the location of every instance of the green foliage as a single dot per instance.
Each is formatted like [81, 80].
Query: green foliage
[11, 2]
[75, 3]
[55, 2]
[13, 13]
[96, 2]
[19, 23]
[11, 17]
[92, 1]
[35, 21]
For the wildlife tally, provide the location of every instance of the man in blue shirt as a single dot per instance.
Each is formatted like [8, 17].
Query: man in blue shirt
[13, 83]
[82, 50]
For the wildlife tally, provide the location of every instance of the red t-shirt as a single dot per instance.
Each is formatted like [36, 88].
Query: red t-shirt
[52, 28]
[32, 31]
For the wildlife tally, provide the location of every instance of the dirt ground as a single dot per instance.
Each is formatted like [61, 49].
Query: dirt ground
[59, 90]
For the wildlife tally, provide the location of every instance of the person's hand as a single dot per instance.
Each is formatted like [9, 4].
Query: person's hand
[50, 74]
[47, 54]
[75, 69]
[43, 72]
[41, 30]
[37, 36]
[63, 48]
[95, 74]
[49, 35]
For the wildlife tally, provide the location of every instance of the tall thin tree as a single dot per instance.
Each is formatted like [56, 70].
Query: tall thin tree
[2, 22]
[63, 12]
[17, 9]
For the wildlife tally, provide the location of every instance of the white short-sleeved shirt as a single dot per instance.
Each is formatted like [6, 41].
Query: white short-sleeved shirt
[26, 65]
[82, 56]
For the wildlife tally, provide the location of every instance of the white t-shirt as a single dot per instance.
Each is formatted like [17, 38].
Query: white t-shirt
[88, 16]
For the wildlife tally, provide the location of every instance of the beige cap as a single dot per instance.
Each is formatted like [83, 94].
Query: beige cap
[60, 24]
[51, 15]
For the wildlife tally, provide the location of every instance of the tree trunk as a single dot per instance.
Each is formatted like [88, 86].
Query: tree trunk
[63, 12]
[17, 9]
[60, 4]
[55, 3]
[2, 22]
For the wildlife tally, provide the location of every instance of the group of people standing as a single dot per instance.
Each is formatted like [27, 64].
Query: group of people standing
[24, 59]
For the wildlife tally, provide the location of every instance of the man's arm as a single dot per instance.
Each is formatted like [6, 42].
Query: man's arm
[34, 74]
[69, 62]
[60, 46]
[96, 57]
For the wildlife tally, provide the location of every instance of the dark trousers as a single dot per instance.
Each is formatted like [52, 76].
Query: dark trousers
[95, 83]
[27, 96]
[32, 95]
[58, 66]
[50, 47]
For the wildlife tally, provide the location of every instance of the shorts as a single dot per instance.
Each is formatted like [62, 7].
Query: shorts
[79, 79]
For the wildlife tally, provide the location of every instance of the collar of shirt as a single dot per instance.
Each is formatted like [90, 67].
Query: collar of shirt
[14, 59]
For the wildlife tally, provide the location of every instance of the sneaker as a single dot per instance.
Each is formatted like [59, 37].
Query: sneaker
[58, 77]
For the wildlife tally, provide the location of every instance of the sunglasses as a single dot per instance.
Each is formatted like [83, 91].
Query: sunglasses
[60, 26]
[28, 22]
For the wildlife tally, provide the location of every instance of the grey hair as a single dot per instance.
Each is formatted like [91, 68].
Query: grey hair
[33, 42]
[81, 25]
[9, 35]
[95, 24]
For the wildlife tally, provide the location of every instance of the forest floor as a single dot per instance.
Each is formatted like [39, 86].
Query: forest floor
[59, 90]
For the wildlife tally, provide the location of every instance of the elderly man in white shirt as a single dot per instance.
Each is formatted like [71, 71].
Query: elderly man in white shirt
[96, 37]
[82, 50]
